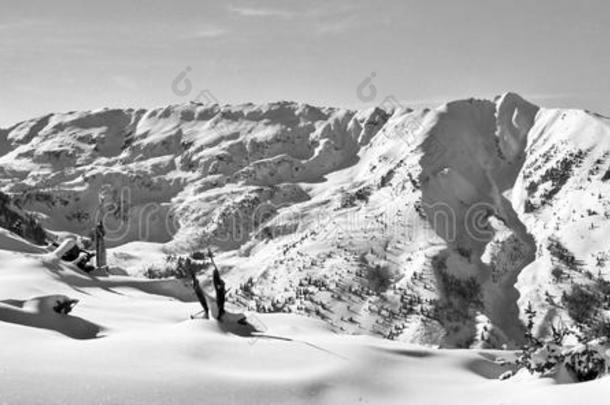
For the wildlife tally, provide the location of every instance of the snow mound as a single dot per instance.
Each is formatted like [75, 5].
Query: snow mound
[42, 312]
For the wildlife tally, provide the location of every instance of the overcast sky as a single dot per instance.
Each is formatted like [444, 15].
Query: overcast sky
[73, 55]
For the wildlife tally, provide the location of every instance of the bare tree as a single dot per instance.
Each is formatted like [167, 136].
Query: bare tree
[192, 271]
[219, 287]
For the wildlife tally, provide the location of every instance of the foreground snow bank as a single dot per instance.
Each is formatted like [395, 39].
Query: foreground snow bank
[149, 352]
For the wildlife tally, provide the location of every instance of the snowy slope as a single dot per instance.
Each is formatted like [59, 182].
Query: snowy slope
[130, 341]
[562, 198]
[419, 226]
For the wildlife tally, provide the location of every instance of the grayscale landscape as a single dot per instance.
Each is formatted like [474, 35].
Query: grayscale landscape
[375, 250]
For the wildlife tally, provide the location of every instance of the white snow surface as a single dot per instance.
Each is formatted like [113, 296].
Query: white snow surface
[130, 342]
[350, 226]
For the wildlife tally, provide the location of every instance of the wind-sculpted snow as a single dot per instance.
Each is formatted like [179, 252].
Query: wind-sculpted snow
[429, 226]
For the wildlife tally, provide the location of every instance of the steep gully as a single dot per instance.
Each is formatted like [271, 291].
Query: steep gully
[496, 139]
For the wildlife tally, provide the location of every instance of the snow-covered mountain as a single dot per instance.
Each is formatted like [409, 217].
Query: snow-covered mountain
[433, 226]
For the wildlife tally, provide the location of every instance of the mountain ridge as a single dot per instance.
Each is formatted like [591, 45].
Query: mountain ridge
[424, 220]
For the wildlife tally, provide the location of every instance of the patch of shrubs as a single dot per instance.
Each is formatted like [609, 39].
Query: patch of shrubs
[606, 175]
[22, 224]
[466, 290]
[414, 182]
[600, 329]
[584, 304]
[558, 274]
[558, 175]
[531, 188]
[561, 253]
[348, 200]
[581, 304]
[529, 207]
[380, 278]
[179, 267]
[386, 178]
[459, 299]
[586, 361]
[363, 193]
[247, 288]
[462, 291]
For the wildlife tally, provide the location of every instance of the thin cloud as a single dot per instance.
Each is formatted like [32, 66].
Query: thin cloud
[209, 33]
[334, 27]
[261, 12]
[340, 21]
[26, 23]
